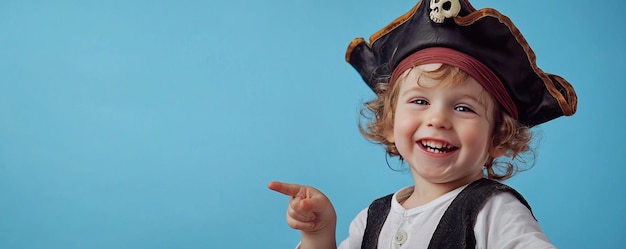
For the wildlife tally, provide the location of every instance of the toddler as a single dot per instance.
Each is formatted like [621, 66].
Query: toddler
[456, 88]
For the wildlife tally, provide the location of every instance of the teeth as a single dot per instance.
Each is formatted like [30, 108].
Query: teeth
[433, 150]
[437, 147]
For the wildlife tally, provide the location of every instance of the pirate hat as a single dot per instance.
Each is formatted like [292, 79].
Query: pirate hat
[483, 35]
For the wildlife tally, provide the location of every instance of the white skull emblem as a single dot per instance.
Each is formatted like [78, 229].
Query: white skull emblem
[442, 9]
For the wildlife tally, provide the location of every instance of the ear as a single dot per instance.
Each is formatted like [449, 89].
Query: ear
[497, 151]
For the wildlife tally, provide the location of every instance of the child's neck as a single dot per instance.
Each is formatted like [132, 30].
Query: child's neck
[425, 191]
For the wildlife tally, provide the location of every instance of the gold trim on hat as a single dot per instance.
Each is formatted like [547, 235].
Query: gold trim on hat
[568, 108]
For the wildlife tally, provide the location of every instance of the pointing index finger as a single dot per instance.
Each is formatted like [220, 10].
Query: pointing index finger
[285, 188]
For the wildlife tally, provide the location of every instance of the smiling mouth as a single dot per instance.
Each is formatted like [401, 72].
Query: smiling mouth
[437, 147]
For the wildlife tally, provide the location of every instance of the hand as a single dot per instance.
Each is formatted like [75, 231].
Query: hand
[309, 211]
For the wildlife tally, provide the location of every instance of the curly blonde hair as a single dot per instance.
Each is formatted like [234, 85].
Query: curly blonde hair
[507, 133]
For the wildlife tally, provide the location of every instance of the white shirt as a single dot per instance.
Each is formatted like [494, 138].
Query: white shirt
[503, 223]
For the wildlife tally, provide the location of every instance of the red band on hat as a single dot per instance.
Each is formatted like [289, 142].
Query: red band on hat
[481, 73]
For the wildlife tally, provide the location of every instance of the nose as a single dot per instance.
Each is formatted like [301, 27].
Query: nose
[438, 119]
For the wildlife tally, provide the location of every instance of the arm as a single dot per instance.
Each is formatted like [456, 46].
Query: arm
[504, 222]
[311, 212]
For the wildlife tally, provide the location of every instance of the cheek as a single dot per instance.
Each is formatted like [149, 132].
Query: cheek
[404, 127]
[480, 138]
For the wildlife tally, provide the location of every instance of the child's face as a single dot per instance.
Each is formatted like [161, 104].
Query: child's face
[442, 132]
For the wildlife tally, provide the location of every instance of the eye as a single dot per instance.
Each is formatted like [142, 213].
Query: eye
[463, 108]
[419, 101]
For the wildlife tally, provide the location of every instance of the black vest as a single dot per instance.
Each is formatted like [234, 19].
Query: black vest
[456, 228]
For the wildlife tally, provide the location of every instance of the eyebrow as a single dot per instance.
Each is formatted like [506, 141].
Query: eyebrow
[415, 88]
[474, 98]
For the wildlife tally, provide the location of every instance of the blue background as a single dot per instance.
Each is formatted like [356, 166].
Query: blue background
[158, 124]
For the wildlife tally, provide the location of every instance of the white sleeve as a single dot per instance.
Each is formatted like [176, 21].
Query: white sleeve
[355, 236]
[355, 233]
[505, 223]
